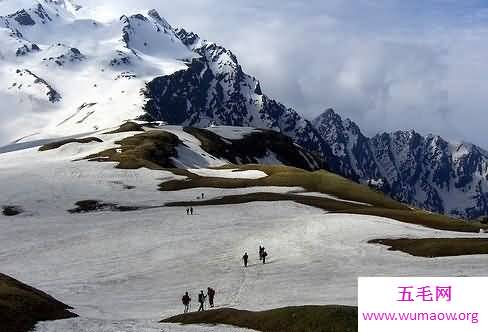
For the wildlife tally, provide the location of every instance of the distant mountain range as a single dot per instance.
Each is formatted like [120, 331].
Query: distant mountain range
[67, 74]
[428, 172]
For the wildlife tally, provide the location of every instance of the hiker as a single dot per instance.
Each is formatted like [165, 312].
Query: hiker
[187, 211]
[261, 250]
[201, 300]
[191, 210]
[211, 295]
[186, 299]
[245, 258]
[264, 256]
[203, 195]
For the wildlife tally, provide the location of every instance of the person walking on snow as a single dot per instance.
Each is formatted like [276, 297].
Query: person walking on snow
[201, 300]
[261, 250]
[187, 211]
[191, 210]
[203, 195]
[211, 295]
[265, 254]
[186, 302]
[245, 259]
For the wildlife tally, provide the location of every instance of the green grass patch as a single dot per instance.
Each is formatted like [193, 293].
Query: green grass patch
[320, 202]
[284, 176]
[322, 182]
[152, 149]
[127, 127]
[22, 306]
[290, 319]
[433, 247]
[58, 144]
[416, 217]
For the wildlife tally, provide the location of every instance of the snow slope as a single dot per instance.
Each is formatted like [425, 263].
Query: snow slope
[123, 271]
[63, 178]
[67, 74]
[230, 132]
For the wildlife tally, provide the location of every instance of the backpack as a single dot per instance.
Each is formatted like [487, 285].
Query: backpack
[211, 292]
[201, 298]
[185, 299]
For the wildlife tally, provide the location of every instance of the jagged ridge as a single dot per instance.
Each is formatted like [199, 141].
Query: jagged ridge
[428, 172]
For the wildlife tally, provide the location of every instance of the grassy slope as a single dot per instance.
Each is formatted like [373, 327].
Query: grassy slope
[127, 127]
[58, 144]
[151, 149]
[154, 149]
[289, 319]
[21, 306]
[323, 182]
[436, 247]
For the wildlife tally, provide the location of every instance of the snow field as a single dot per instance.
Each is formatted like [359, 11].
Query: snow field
[123, 271]
[135, 266]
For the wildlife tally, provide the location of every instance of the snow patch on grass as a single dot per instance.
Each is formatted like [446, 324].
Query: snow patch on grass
[229, 173]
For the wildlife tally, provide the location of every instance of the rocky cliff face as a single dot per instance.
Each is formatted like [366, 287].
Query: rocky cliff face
[215, 90]
[428, 172]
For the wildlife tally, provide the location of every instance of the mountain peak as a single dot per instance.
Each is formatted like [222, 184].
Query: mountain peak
[40, 13]
[154, 14]
[67, 5]
[152, 35]
[330, 117]
[407, 134]
[327, 116]
[329, 112]
[188, 38]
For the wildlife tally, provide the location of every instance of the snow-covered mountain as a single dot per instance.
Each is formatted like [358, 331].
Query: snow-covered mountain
[214, 89]
[426, 171]
[66, 74]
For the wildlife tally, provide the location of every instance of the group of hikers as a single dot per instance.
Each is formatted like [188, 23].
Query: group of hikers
[202, 298]
[189, 210]
[262, 256]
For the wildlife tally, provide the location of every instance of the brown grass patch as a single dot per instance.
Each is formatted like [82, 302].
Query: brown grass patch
[58, 144]
[127, 127]
[152, 149]
[22, 306]
[434, 247]
[291, 319]
[322, 182]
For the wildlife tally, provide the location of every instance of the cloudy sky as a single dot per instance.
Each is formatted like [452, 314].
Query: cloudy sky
[386, 64]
